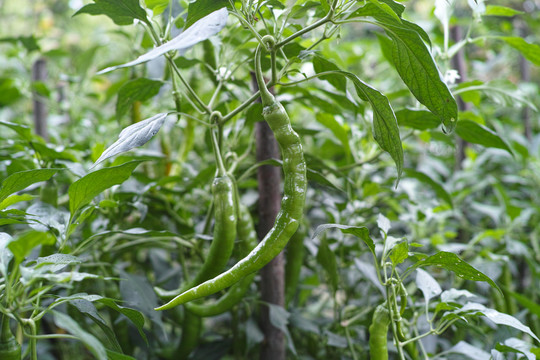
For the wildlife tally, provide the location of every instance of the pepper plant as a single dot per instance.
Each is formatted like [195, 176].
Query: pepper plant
[368, 106]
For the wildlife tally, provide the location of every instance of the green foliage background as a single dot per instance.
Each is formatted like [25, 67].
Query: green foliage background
[89, 250]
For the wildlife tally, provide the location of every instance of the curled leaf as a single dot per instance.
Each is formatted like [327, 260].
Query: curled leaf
[134, 136]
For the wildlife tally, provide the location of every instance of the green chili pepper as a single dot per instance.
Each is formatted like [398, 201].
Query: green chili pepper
[378, 330]
[293, 265]
[191, 330]
[225, 219]
[292, 203]
[10, 349]
[247, 241]
[224, 230]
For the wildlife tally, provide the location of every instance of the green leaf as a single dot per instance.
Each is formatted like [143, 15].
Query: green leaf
[526, 302]
[419, 72]
[12, 216]
[477, 134]
[335, 340]
[361, 232]
[314, 175]
[22, 130]
[201, 8]
[386, 46]
[13, 199]
[82, 191]
[24, 244]
[452, 262]
[387, 10]
[86, 307]
[139, 294]
[9, 92]
[135, 316]
[140, 89]
[122, 12]
[327, 259]
[254, 113]
[157, 6]
[381, 15]
[65, 322]
[416, 66]
[439, 190]
[417, 119]
[399, 253]
[339, 131]
[497, 10]
[279, 318]
[21, 180]
[321, 64]
[501, 91]
[385, 126]
[50, 153]
[113, 355]
[30, 43]
[531, 52]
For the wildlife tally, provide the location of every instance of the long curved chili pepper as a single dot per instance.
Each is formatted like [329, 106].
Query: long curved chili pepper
[247, 237]
[292, 203]
[225, 219]
[191, 331]
[248, 240]
[378, 331]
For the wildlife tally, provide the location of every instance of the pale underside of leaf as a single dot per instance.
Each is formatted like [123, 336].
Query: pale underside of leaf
[200, 31]
[134, 136]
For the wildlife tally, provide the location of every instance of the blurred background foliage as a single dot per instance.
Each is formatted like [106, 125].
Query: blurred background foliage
[483, 204]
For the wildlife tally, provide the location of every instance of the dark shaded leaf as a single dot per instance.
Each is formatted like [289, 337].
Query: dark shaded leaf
[477, 134]
[415, 65]
[201, 8]
[65, 322]
[86, 307]
[361, 232]
[135, 90]
[385, 127]
[417, 119]
[327, 259]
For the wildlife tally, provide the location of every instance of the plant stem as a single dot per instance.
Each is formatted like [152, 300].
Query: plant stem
[192, 93]
[315, 25]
